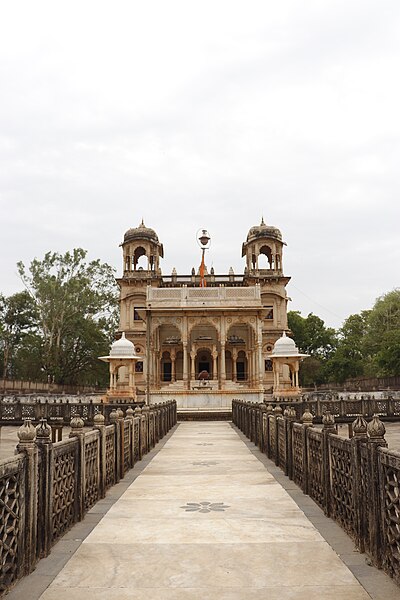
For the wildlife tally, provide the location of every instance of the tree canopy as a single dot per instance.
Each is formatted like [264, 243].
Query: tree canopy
[65, 318]
[367, 344]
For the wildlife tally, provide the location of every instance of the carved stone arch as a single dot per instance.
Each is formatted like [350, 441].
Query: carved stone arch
[202, 321]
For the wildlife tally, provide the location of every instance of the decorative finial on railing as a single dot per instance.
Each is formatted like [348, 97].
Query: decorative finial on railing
[43, 431]
[307, 417]
[26, 433]
[360, 427]
[130, 412]
[99, 419]
[278, 410]
[328, 421]
[376, 429]
[113, 416]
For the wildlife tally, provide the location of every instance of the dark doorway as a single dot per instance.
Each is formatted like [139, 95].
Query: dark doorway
[204, 366]
[167, 371]
[240, 372]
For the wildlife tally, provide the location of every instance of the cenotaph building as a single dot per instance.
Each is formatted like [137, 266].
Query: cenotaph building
[202, 338]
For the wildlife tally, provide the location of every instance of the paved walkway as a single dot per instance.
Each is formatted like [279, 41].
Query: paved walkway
[206, 520]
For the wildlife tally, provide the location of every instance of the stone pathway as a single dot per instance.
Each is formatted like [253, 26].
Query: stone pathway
[205, 520]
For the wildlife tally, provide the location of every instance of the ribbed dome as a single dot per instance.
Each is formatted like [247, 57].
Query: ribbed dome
[285, 346]
[263, 230]
[122, 348]
[141, 233]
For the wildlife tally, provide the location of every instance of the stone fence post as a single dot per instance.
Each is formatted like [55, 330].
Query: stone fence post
[117, 433]
[26, 435]
[307, 421]
[359, 429]
[77, 425]
[45, 492]
[99, 424]
[376, 439]
[329, 426]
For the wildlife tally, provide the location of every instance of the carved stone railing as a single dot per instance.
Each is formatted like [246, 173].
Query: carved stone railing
[342, 408]
[48, 487]
[15, 409]
[355, 481]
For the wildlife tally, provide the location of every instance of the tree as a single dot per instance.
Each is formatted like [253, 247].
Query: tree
[382, 340]
[17, 316]
[76, 306]
[313, 338]
[349, 361]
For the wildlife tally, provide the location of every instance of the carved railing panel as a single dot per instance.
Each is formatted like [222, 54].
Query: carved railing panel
[92, 469]
[136, 440]
[342, 483]
[316, 483]
[281, 443]
[389, 466]
[272, 437]
[110, 456]
[298, 454]
[127, 445]
[64, 513]
[11, 509]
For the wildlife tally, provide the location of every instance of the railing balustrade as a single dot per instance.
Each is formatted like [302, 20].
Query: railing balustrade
[355, 481]
[48, 487]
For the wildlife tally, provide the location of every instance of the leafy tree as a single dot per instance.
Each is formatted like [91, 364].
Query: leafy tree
[17, 316]
[313, 338]
[76, 306]
[311, 335]
[348, 361]
[382, 340]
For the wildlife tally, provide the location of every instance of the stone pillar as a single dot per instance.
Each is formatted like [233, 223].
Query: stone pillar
[215, 368]
[173, 370]
[192, 364]
[185, 365]
[259, 361]
[234, 366]
[223, 366]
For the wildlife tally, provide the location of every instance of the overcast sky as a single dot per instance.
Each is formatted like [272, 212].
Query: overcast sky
[206, 114]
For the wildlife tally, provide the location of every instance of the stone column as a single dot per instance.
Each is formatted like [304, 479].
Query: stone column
[259, 365]
[234, 366]
[215, 368]
[223, 366]
[185, 364]
[173, 358]
[192, 364]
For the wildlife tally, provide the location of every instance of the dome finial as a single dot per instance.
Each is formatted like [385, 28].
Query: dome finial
[142, 223]
[262, 220]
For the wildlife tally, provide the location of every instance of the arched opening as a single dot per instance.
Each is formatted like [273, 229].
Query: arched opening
[139, 259]
[166, 367]
[241, 366]
[266, 251]
[204, 364]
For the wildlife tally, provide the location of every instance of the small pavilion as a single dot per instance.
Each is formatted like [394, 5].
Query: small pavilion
[122, 361]
[286, 360]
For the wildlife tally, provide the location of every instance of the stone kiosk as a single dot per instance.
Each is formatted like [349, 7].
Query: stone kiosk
[122, 361]
[223, 327]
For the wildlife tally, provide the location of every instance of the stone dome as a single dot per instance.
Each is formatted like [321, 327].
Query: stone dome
[122, 348]
[141, 233]
[285, 346]
[263, 230]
